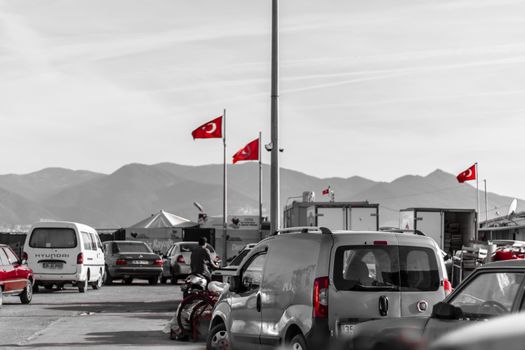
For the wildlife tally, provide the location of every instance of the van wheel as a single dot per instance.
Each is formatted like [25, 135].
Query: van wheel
[98, 283]
[297, 343]
[153, 280]
[82, 286]
[27, 294]
[218, 338]
[1, 297]
[163, 280]
[174, 279]
[128, 280]
[108, 280]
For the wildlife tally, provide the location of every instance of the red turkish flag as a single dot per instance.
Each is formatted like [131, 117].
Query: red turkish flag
[209, 130]
[248, 152]
[326, 191]
[467, 175]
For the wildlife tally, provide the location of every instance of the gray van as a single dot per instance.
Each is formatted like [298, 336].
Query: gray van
[308, 287]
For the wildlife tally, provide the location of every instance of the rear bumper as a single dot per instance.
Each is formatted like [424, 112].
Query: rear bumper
[57, 278]
[137, 272]
[319, 335]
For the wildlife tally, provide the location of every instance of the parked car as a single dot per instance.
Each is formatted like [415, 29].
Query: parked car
[307, 287]
[64, 252]
[507, 332]
[177, 260]
[495, 289]
[15, 278]
[127, 260]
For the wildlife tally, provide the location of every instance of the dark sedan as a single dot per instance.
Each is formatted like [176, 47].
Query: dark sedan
[127, 260]
[493, 290]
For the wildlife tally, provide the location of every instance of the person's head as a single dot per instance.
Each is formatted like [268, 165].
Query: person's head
[202, 241]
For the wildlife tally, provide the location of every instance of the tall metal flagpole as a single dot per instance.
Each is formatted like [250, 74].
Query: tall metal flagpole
[477, 200]
[260, 187]
[486, 201]
[274, 176]
[224, 195]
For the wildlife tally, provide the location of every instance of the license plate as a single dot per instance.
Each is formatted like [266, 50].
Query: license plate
[52, 265]
[140, 262]
[347, 330]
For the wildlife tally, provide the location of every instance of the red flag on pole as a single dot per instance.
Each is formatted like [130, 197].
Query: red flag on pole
[248, 152]
[467, 175]
[209, 130]
[326, 191]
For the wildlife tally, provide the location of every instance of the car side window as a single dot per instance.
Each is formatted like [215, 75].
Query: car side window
[4, 261]
[93, 241]
[253, 272]
[489, 294]
[11, 257]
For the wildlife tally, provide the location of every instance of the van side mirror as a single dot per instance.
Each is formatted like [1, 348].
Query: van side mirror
[235, 283]
[446, 311]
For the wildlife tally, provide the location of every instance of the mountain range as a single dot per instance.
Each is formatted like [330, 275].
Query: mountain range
[135, 191]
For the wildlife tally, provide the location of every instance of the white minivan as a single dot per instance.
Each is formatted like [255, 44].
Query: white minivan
[64, 253]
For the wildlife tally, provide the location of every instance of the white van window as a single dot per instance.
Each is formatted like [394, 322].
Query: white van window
[53, 238]
[88, 244]
[93, 241]
[419, 271]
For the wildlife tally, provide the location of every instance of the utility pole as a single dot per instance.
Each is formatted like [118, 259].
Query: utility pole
[274, 169]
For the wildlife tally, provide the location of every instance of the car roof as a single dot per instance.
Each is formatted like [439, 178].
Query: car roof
[515, 263]
[137, 242]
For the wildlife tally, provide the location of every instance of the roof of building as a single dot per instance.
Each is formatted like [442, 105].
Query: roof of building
[163, 219]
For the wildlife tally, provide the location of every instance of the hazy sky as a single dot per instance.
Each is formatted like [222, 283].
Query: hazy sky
[376, 88]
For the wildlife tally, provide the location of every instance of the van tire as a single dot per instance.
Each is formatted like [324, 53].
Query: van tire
[1, 297]
[27, 294]
[218, 338]
[98, 283]
[174, 280]
[163, 280]
[128, 280]
[153, 281]
[82, 286]
[297, 343]
[108, 280]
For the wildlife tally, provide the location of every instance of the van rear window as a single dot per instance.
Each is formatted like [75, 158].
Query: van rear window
[53, 238]
[396, 268]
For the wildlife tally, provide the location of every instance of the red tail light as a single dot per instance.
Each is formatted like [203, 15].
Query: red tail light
[447, 286]
[380, 242]
[181, 260]
[158, 262]
[320, 297]
[121, 262]
[24, 256]
[80, 258]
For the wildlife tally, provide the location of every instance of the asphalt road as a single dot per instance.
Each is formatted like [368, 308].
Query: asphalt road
[117, 316]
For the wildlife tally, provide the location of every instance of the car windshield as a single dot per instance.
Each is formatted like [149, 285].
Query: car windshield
[53, 238]
[364, 268]
[128, 247]
[489, 294]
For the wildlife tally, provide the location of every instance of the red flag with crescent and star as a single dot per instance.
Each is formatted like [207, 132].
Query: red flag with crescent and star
[248, 152]
[467, 175]
[326, 191]
[209, 130]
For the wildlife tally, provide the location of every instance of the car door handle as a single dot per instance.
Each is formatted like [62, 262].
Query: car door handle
[383, 305]
[258, 302]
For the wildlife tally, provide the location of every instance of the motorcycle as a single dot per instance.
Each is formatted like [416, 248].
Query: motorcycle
[192, 283]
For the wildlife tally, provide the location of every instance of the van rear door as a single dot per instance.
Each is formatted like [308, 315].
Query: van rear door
[53, 250]
[422, 276]
[364, 281]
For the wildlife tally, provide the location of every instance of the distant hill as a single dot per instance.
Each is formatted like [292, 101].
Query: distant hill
[135, 191]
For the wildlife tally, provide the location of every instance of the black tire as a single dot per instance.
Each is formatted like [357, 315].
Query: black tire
[27, 294]
[98, 283]
[163, 280]
[1, 297]
[174, 279]
[108, 280]
[218, 338]
[48, 287]
[297, 343]
[128, 280]
[82, 286]
[36, 287]
[153, 281]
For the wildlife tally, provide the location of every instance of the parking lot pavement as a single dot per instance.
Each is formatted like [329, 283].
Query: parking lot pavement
[117, 316]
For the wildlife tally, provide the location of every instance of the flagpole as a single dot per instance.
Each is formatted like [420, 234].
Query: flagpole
[477, 200]
[224, 196]
[486, 202]
[260, 187]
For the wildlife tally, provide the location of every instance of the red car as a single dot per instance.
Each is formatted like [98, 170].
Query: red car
[15, 278]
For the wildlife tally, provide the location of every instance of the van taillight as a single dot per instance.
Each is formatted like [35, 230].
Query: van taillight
[24, 256]
[80, 258]
[380, 242]
[320, 297]
[447, 286]
[181, 260]
[121, 262]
